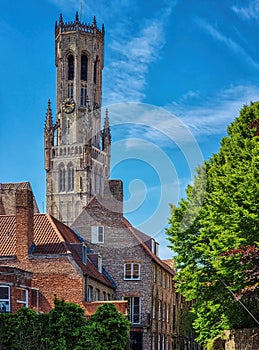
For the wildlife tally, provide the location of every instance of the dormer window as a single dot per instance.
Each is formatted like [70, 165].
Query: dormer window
[84, 253]
[154, 247]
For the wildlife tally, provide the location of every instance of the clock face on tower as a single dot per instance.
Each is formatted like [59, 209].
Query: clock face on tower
[68, 105]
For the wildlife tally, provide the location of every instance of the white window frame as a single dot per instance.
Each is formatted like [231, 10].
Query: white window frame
[5, 303]
[25, 301]
[97, 234]
[132, 271]
[134, 318]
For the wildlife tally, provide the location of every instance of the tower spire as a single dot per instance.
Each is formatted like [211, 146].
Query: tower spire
[48, 137]
[106, 134]
[49, 119]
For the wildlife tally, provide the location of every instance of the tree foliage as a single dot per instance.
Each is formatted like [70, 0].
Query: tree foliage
[107, 329]
[64, 328]
[220, 215]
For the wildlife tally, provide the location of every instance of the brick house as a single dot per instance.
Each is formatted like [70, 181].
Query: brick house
[41, 258]
[141, 277]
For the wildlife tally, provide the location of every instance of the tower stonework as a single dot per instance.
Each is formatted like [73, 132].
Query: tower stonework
[77, 150]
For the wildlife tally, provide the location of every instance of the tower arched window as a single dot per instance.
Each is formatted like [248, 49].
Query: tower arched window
[70, 90]
[71, 172]
[83, 95]
[84, 64]
[96, 68]
[62, 178]
[70, 64]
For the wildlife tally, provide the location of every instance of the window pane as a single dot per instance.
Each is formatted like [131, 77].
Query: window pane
[4, 293]
[100, 234]
[135, 270]
[84, 67]
[21, 294]
[70, 62]
[127, 270]
[136, 310]
[4, 306]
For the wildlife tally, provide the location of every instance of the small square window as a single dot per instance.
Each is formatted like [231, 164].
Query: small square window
[131, 271]
[97, 234]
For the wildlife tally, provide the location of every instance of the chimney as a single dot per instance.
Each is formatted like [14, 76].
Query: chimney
[113, 195]
[24, 222]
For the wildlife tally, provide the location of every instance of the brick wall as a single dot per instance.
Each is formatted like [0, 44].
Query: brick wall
[120, 247]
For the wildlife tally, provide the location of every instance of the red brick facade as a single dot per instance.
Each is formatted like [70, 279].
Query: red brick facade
[42, 259]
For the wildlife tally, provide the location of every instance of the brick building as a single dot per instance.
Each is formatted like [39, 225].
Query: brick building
[41, 258]
[142, 279]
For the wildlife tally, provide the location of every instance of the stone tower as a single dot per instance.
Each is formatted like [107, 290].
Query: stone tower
[77, 151]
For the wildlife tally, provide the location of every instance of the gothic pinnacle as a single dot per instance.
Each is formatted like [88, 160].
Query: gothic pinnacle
[49, 121]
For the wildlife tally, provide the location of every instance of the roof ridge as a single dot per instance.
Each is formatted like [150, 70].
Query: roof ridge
[91, 200]
[54, 226]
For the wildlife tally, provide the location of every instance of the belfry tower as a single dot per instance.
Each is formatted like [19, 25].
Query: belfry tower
[77, 151]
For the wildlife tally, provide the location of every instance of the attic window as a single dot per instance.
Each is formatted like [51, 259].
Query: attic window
[97, 234]
[154, 247]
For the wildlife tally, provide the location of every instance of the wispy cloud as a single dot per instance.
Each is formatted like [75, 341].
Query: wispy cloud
[248, 12]
[133, 51]
[227, 41]
[211, 116]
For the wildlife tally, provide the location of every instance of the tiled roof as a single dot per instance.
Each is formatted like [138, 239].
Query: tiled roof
[7, 235]
[51, 237]
[47, 237]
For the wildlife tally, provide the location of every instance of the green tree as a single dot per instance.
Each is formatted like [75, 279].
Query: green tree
[220, 214]
[23, 330]
[66, 324]
[107, 329]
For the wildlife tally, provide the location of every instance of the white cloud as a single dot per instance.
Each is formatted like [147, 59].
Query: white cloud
[213, 115]
[132, 51]
[231, 44]
[251, 11]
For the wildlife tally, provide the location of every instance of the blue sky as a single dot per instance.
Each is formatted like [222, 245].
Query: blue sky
[176, 74]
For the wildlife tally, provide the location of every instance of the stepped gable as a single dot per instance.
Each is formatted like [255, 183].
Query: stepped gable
[7, 197]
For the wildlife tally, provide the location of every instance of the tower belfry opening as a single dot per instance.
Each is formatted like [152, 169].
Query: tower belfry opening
[77, 148]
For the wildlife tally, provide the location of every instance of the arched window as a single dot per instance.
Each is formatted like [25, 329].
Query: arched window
[84, 63]
[83, 95]
[62, 178]
[70, 171]
[70, 64]
[96, 68]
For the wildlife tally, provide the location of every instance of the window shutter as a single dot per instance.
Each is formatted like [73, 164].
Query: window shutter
[94, 234]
